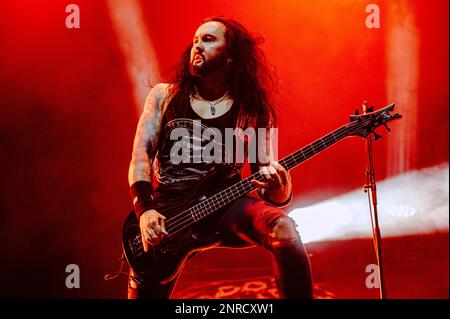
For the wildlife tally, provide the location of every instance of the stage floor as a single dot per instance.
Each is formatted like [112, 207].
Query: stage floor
[415, 266]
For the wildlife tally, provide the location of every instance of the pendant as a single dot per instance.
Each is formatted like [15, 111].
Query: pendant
[213, 110]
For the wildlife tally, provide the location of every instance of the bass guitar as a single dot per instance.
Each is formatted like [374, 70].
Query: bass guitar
[188, 221]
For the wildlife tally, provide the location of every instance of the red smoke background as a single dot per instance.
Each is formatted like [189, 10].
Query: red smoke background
[69, 110]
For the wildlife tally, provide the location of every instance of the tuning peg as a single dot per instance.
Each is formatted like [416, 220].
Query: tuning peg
[370, 109]
[376, 136]
[356, 112]
[387, 127]
[364, 106]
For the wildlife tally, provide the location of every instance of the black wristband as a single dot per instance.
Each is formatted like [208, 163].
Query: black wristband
[143, 205]
[142, 190]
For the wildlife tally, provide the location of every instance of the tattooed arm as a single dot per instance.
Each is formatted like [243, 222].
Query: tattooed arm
[147, 132]
[152, 223]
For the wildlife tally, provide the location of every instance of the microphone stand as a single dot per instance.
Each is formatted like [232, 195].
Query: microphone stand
[371, 189]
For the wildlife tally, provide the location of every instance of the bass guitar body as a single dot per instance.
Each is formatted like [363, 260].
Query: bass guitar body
[164, 261]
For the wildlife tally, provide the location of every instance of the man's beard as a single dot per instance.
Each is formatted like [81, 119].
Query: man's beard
[207, 68]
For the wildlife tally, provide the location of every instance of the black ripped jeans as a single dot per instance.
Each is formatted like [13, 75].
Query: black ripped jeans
[249, 221]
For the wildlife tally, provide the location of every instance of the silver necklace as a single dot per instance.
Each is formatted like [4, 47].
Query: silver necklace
[212, 105]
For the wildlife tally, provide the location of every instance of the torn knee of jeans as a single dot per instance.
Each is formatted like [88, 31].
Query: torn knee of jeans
[283, 232]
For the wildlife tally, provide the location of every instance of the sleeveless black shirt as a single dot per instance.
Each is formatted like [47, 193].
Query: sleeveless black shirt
[179, 117]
